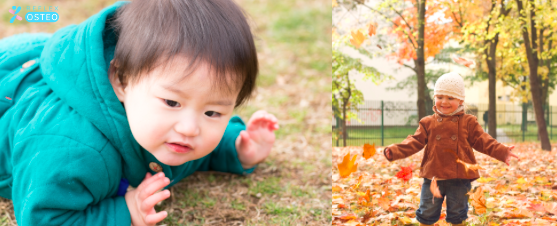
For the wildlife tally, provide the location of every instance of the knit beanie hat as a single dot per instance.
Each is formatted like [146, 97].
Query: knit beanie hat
[450, 84]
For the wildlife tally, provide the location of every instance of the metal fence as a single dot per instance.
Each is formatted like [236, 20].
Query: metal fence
[387, 122]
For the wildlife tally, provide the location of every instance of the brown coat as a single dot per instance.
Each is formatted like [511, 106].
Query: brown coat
[460, 133]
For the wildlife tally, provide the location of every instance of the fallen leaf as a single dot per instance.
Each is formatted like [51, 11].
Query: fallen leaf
[337, 188]
[368, 215]
[347, 166]
[405, 220]
[550, 208]
[357, 38]
[384, 202]
[521, 181]
[536, 207]
[485, 179]
[335, 4]
[369, 151]
[348, 216]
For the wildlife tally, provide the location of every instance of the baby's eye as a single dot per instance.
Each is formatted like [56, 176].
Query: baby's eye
[172, 103]
[212, 114]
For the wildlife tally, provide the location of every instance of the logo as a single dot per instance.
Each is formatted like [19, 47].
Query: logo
[14, 11]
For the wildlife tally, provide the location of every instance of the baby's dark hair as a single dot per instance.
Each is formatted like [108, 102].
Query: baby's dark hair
[216, 32]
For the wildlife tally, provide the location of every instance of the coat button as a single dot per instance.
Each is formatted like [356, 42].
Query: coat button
[27, 64]
[455, 119]
[439, 119]
[438, 137]
[155, 167]
[453, 137]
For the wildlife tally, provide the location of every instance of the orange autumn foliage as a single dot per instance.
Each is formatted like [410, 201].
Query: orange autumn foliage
[347, 166]
[369, 151]
[357, 38]
[405, 29]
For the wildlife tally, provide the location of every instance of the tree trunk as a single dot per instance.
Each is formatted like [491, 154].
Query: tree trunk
[533, 62]
[492, 109]
[344, 124]
[420, 61]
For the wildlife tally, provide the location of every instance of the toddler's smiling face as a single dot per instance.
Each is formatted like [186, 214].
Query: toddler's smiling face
[447, 104]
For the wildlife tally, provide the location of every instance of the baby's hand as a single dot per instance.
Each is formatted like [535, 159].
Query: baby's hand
[141, 201]
[511, 154]
[254, 144]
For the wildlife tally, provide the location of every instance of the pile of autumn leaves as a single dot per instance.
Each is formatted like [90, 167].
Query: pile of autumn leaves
[365, 192]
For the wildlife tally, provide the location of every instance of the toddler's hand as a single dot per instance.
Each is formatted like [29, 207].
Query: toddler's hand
[511, 154]
[388, 153]
[254, 144]
[141, 201]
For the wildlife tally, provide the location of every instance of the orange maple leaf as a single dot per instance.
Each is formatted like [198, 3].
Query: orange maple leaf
[369, 150]
[347, 166]
[372, 29]
[357, 39]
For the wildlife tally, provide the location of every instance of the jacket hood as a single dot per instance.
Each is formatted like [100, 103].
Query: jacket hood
[74, 64]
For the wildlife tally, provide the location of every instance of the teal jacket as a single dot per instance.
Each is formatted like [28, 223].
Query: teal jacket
[65, 141]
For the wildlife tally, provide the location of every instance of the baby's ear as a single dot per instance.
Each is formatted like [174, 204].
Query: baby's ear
[115, 81]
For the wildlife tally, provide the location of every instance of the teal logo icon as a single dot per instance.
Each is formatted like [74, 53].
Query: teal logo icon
[14, 11]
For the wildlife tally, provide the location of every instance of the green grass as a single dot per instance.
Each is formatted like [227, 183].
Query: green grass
[269, 186]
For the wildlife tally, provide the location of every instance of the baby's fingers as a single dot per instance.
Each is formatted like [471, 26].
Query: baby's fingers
[155, 218]
[153, 187]
[150, 202]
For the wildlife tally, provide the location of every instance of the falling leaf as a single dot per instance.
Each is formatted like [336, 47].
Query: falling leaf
[347, 166]
[379, 47]
[405, 173]
[369, 150]
[434, 190]
[372, 28]
[478, 200]
[469, 167]
[357, 39]
[464, 62]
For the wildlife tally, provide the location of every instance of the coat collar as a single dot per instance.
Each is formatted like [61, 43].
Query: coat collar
[441, 114]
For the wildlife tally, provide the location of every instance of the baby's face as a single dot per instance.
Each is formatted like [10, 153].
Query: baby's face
[447, 104]
[175, 121]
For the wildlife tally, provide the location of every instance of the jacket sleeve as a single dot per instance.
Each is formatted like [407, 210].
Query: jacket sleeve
[484, 143]
[66, 183]
[225, 157]
[411, 145]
